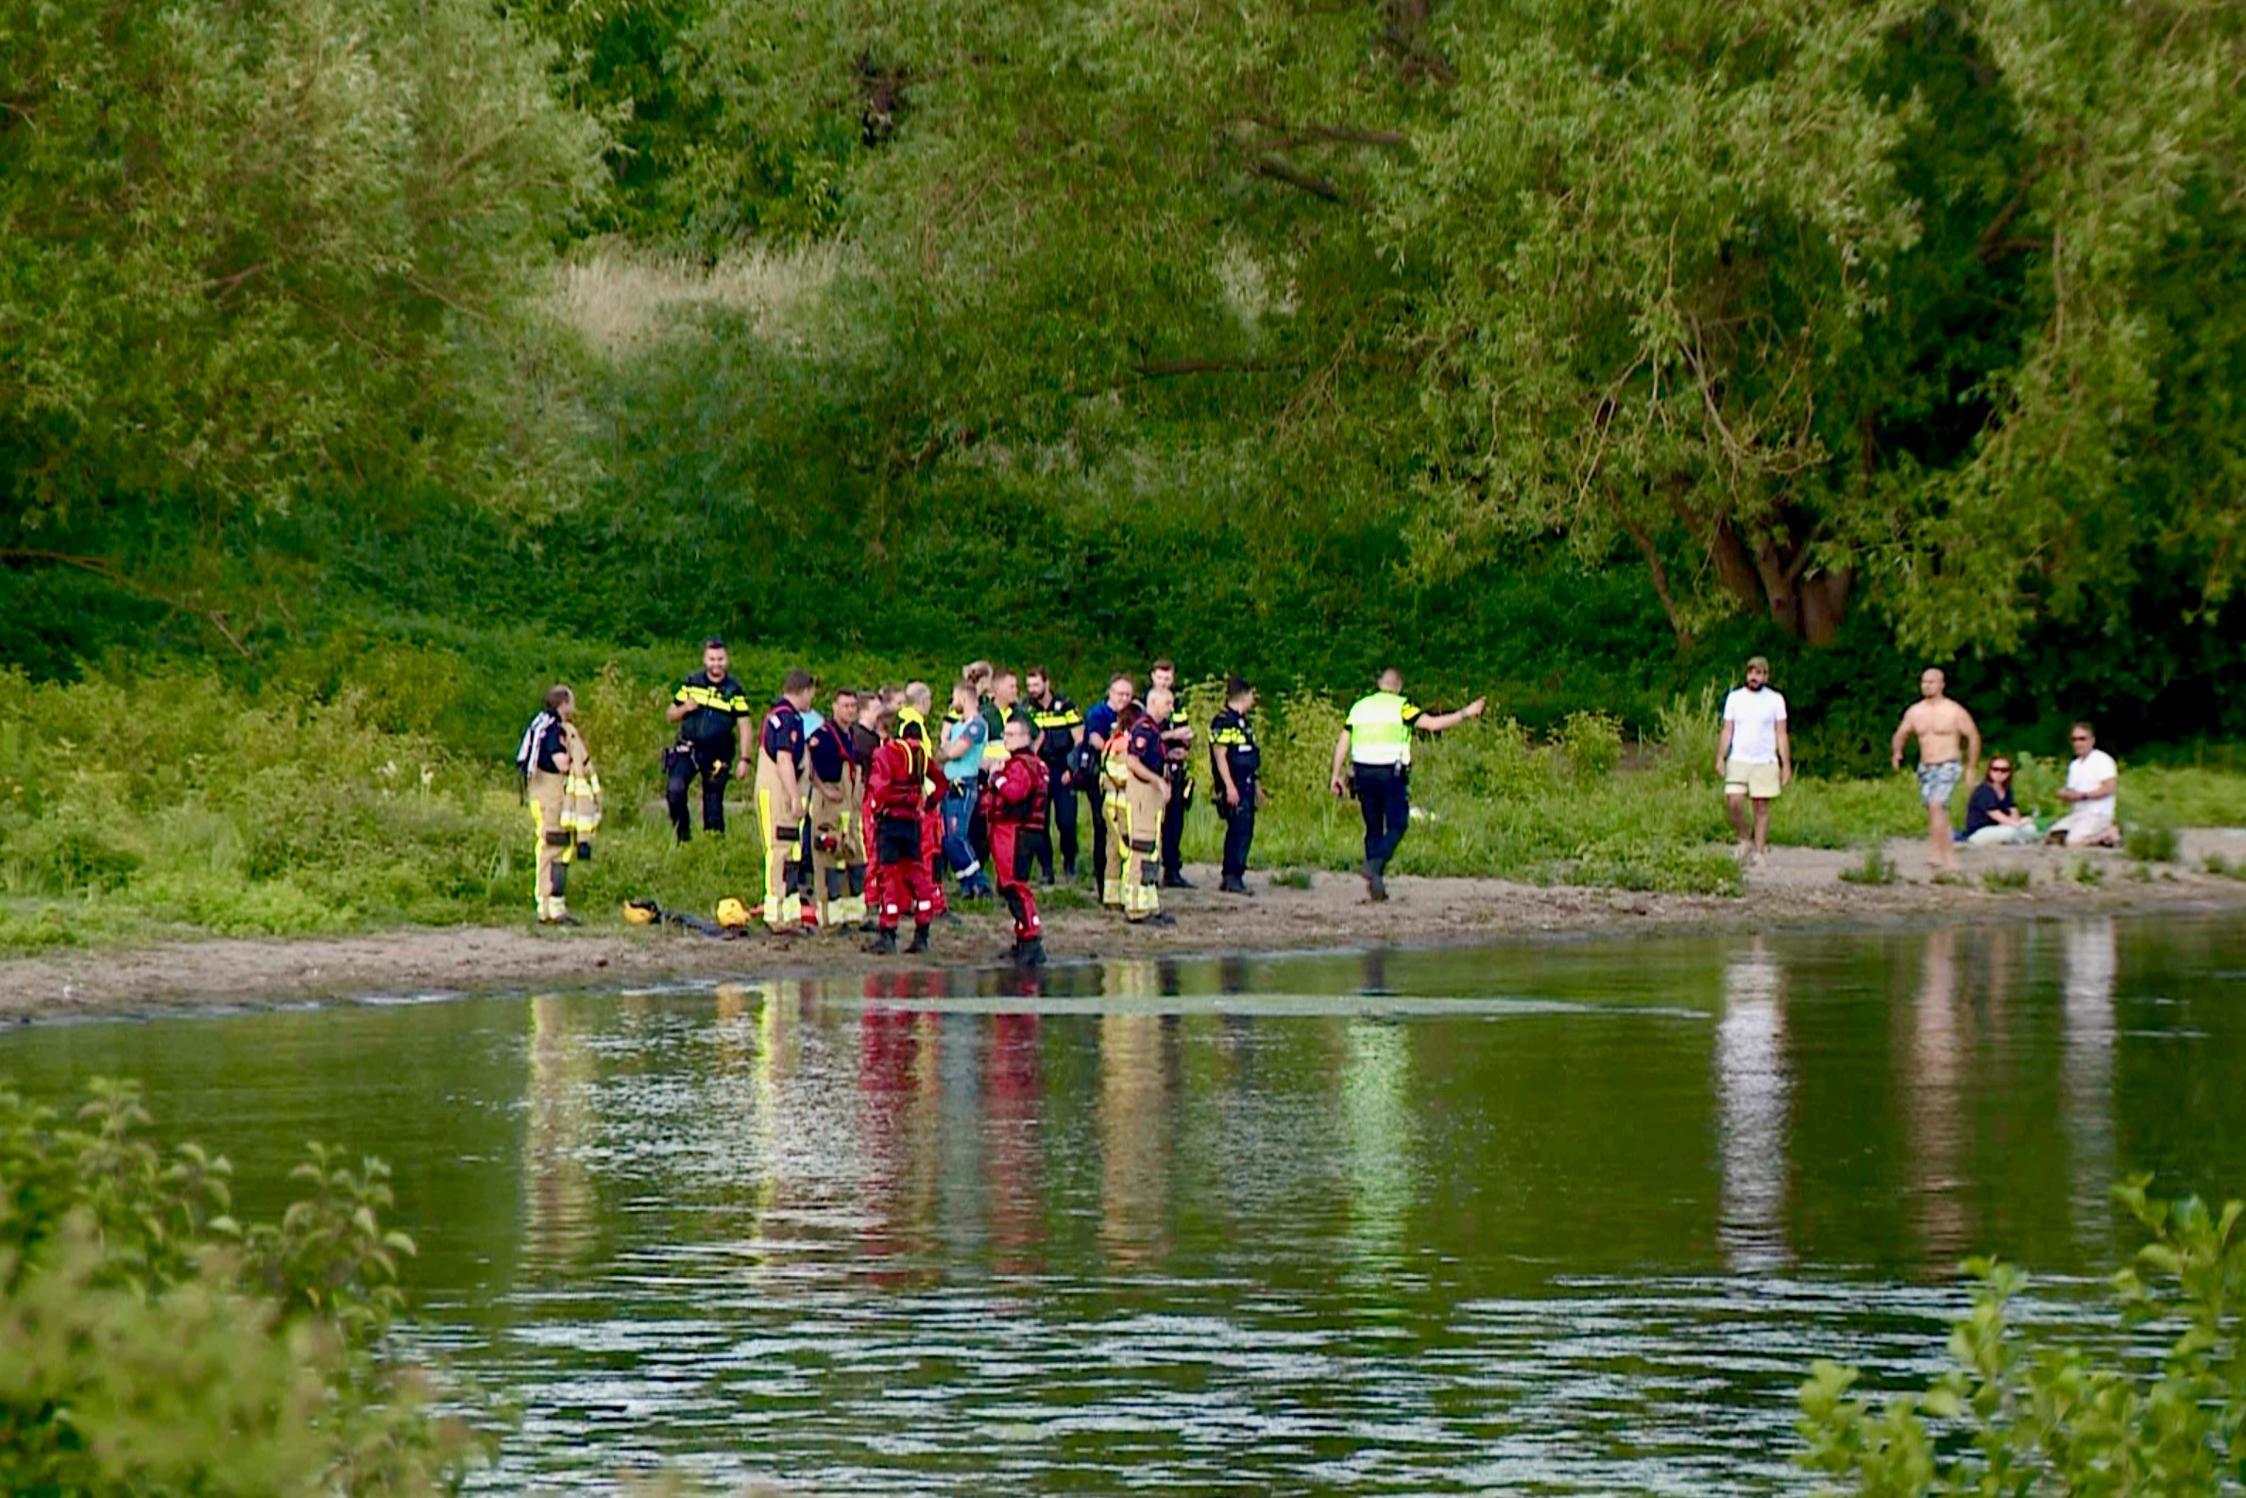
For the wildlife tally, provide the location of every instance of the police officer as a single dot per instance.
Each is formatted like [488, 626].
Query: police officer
[1057, 728]
[1177, 768]
[1099, 729]
[712, 714]
[1235, 763]
[1376, 746]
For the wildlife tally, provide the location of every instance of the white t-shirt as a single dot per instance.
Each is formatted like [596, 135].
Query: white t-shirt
[1755, 716]
[2087, 774]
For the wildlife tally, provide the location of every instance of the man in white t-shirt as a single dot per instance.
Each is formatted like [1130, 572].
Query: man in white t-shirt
[1754, 756]
[2091, 780]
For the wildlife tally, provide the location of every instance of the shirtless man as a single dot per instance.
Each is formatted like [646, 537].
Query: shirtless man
[1942, 726]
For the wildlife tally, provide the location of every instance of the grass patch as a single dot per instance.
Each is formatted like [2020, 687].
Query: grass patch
[2004, 881]
[350, 795]
[2086, 872]
[2151, 842]
[1875, 867]
[2225, 868]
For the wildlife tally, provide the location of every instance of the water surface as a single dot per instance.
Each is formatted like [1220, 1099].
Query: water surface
[1563, 1218]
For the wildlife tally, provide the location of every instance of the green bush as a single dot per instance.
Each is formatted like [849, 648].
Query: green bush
[2027, 1414]
[2151, 842]
[157, 1346]
[2004, 881]
[1875, 867]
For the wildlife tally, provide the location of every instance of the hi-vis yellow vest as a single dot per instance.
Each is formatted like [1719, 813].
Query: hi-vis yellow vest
[1380, 730]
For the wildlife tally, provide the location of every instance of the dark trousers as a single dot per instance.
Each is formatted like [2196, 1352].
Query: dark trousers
[1173, 826]
[1095, 796]
[1239, 830]
[1060, 822]
[681, 763]
[1385, 797]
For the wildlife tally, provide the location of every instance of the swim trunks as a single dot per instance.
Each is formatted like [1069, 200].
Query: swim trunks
[1935, 782]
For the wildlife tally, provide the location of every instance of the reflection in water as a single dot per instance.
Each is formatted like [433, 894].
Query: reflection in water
[2088, 966]
[1134, 1122]
[1934, 1099]
[821, 1230]
[560, 1206]
[1376, 1117]
[1752, 1090]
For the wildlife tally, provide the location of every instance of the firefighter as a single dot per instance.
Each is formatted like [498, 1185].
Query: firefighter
[838, 857]
[1145, 795]
[897, 788]
[780, 781]
[1114, 779]
[563, 794]
[712, 714]
[1014, 796]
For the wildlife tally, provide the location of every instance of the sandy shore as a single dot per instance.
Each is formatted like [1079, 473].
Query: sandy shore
[1794, 887]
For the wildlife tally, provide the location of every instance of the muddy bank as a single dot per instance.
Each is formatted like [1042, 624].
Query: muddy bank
[1795, 887]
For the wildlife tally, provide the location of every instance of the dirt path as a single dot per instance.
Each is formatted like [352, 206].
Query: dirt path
[1794, 887]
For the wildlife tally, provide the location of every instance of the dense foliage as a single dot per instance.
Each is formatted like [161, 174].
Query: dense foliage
[2160, 1409]
[158, 1346]
[1574, 350]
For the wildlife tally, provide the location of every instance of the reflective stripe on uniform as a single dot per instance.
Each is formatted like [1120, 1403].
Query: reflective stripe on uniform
[1380, 730]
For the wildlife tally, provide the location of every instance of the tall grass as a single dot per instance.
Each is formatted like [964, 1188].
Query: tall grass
[372, 790]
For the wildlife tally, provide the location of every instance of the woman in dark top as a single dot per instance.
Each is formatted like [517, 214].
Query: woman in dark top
[1991, 820]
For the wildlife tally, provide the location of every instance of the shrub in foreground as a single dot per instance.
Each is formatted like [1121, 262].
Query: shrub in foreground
[2024, 1414]
[155, 1346]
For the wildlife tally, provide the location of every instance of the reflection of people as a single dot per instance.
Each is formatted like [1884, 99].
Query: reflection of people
[1754, 756]
[1991, 820]
[1753, 1094]
[2092, 781]
[1945, 732]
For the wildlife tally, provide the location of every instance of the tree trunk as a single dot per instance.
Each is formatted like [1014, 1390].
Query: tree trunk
[1806, 602]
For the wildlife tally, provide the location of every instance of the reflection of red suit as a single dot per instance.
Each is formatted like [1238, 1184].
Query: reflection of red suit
[897, 797]
[1014, 809]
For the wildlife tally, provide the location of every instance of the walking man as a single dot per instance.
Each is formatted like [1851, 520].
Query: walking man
[1376, 747]
[1235, 763]
[1949, 750]
[1754, 756]
[1059, 728]
[712, 714]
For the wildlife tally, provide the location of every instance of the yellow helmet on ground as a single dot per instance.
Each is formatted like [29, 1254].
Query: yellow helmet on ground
[731, 912]
[642, 912]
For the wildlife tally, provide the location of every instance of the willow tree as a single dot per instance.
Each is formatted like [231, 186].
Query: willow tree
[1804, 304]
[251, 251]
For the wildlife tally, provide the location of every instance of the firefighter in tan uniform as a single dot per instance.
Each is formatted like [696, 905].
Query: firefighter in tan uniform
[838, 780]
[563, 794]
[780, 786]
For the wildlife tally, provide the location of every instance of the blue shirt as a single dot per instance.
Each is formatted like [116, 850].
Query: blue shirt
[965, 769]
[1099, 723]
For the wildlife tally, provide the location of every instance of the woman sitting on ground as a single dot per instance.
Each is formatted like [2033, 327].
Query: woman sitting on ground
[1991, 820]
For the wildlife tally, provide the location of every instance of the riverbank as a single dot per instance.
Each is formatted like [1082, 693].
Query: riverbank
[1795, 887]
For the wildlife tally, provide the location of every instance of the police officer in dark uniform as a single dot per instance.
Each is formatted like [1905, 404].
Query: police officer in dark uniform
[712, 714]
[1058, 728]
[1235, 765]
[1177, 768]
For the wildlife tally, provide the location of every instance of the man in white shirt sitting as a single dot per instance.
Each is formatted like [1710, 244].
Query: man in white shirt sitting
[2091, 778]
[1753, 756]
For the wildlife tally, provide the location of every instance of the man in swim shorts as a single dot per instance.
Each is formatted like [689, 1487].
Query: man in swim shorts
[1949, 751]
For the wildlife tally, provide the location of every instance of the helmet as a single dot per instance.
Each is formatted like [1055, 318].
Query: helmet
[731, 912]
[642, 912]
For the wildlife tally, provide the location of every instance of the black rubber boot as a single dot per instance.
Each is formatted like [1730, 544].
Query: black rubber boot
[1030, 953]
[919, 942]
[1235, 887]
[1376, 888]
[884, 943]
[1176, 881]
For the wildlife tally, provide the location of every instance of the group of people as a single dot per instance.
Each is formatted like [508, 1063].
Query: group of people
[1755, 758]
[864, 809]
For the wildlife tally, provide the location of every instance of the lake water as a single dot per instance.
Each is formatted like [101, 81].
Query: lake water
[1545, 1218]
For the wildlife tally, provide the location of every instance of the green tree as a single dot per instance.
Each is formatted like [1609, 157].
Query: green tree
[247, 252]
